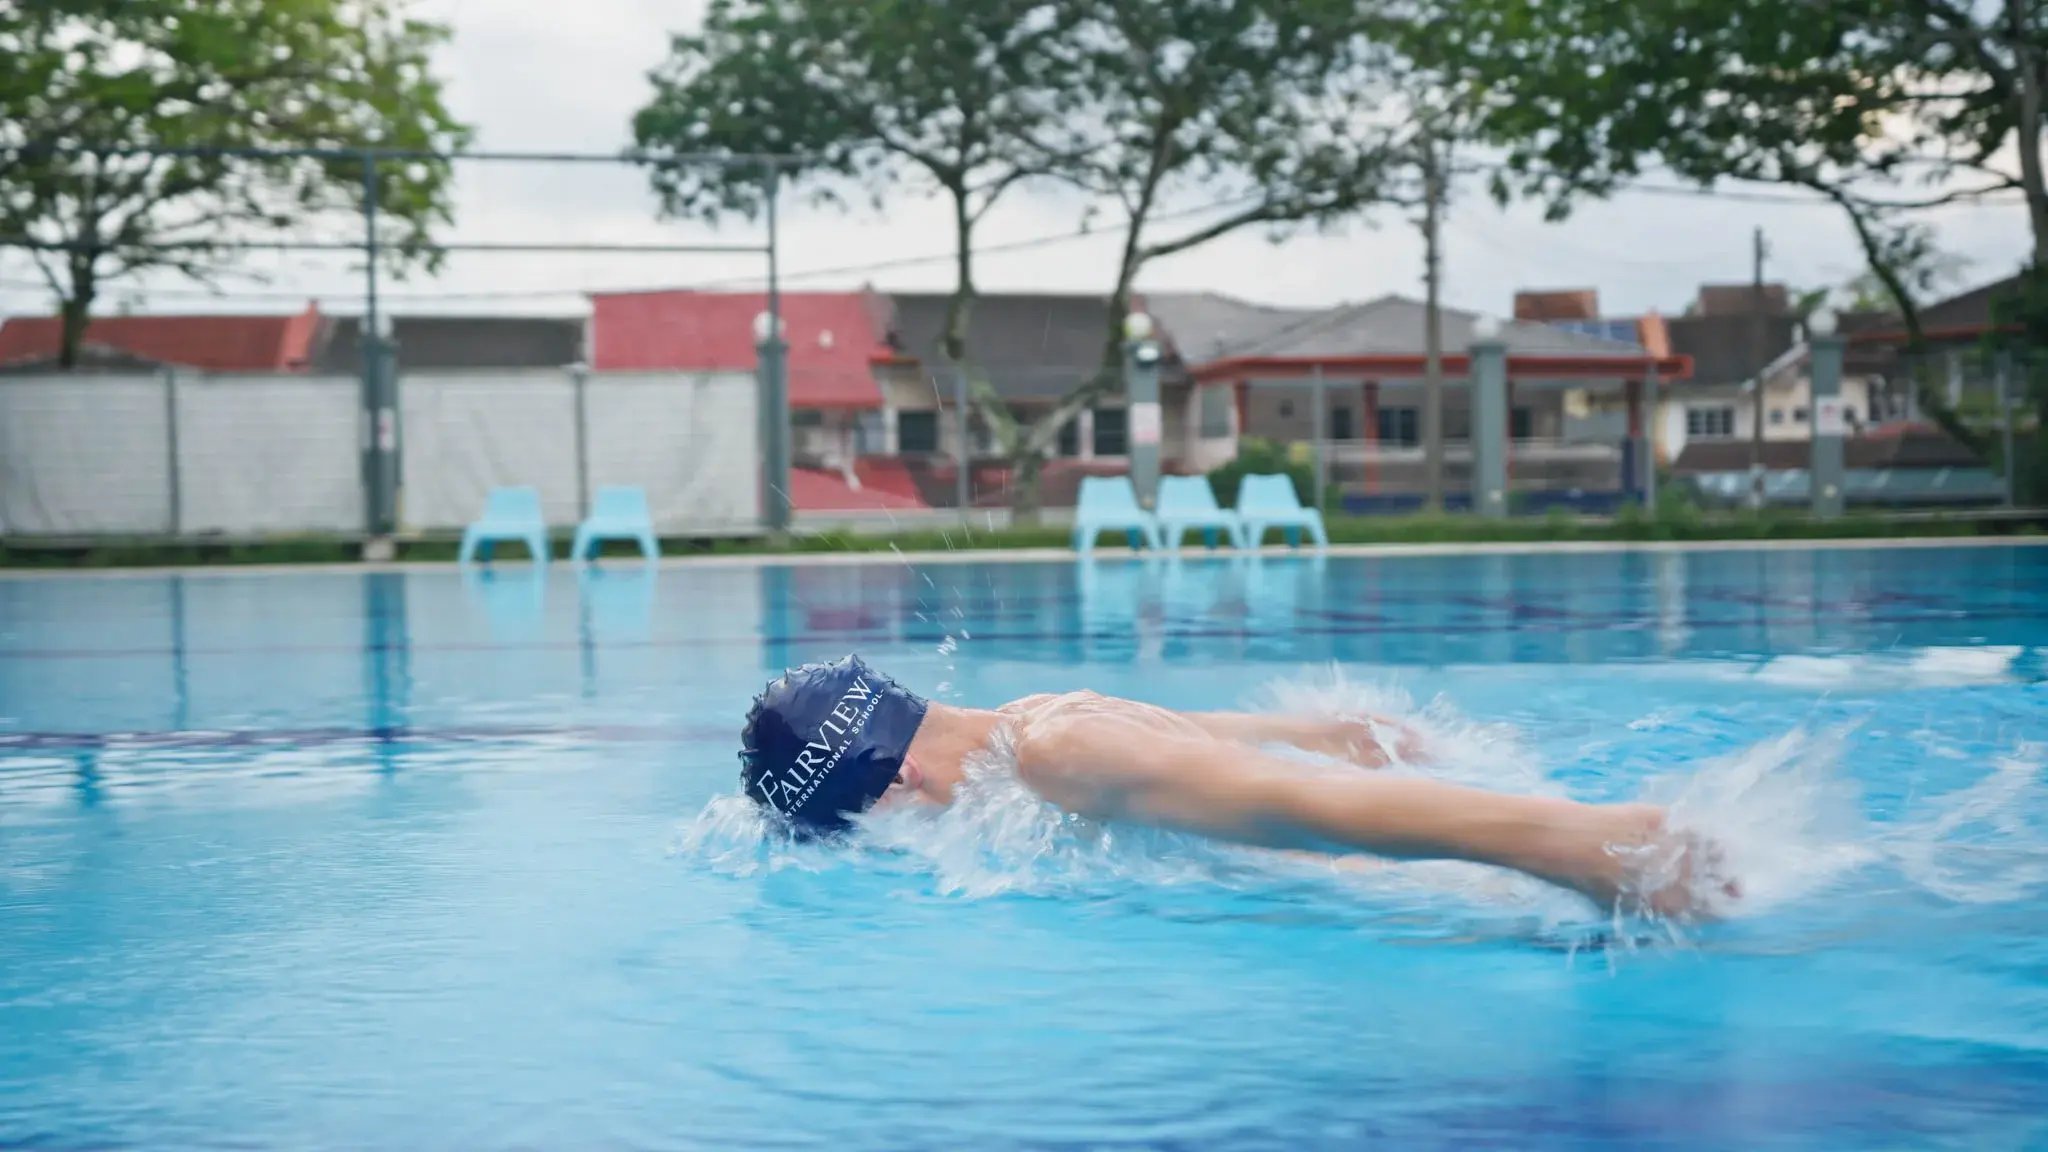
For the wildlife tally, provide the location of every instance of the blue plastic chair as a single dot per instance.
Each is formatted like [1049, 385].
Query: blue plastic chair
[1189, 502]
[1269, 501]
[1110, 504]
[617, 513]
[509, 514]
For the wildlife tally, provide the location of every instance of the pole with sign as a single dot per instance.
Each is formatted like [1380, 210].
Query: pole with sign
[1143, 418]
[1829, 425]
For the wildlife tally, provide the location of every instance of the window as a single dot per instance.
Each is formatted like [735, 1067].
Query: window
[1710, 423]
[1070, 439]
[1799, 415]
[1849, 415]
[1340, 424]
[867, 433]
[1521, 424]
[1777, 416]
[1215, 412]
[917, 432]
[1397, 427]
[1111, 427]
[1287, 409]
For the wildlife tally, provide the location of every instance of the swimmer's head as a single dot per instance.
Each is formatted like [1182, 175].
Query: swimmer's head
[824, 742]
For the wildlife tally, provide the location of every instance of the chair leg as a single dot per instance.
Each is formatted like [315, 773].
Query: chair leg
[581, 546]
[467, 553]
[648, 547]
[538, 541]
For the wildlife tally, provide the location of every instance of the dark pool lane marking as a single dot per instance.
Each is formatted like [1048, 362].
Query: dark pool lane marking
[1826, 615]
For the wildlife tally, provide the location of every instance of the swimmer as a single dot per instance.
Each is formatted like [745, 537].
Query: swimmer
[829, 741]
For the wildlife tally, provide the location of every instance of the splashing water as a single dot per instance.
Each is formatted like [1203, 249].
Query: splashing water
[1786, 820]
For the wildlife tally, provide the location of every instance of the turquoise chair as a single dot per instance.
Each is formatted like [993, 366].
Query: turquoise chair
[509, 514]
[1189, 502]
[617, 513]
[1110, 504]
[1268, 501]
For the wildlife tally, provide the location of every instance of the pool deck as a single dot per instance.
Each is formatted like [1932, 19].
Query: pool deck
[1068, 556]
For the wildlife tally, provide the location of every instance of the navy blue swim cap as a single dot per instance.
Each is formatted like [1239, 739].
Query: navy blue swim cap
[826, 740]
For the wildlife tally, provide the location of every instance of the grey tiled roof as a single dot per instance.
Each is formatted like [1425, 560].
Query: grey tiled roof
[431, 342]
[1395, 326]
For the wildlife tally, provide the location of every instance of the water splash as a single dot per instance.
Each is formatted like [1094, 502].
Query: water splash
[1785, 816]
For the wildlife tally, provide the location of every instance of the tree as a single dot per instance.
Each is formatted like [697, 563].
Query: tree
[1263, 107]
[1882, 106]
[119, 133]
[857, 96]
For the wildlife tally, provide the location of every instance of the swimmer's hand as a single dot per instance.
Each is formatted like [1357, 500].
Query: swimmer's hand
[1625, 857]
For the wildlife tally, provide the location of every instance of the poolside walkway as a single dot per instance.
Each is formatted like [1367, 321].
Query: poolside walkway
[1102, 555]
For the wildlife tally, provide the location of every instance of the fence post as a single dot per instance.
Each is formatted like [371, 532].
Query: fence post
[580, 379]
[174, 478]
[1319, 401]
[1650, 418]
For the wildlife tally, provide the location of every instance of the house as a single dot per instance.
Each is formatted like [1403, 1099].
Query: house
[211, 343]
[1951, 356]
[1031, 350]
[1368, 360]
[840, 427]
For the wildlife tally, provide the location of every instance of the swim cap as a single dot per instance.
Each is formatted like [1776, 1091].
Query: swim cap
[825, 741]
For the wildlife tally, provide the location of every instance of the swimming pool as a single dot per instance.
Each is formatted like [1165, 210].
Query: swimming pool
[408, 859]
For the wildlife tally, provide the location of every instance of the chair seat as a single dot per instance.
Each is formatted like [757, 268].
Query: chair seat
[509, 514]
[616, 513]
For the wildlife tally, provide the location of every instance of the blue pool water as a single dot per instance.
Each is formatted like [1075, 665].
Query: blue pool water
[409, 860]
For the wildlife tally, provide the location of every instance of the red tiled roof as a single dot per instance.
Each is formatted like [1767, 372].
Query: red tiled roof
[833, 339]
[216, 343]
[817, 490]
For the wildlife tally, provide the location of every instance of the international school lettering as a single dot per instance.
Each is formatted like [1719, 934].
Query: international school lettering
[822, 754]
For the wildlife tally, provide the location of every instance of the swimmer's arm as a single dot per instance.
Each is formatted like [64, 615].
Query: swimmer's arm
[1099, 768]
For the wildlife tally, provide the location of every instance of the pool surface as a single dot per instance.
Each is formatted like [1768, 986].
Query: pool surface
[418, 860]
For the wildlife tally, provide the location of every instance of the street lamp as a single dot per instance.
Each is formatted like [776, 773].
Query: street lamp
[769, 331]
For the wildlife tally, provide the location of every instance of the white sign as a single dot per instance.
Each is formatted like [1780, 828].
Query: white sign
[1145, 423]
[1827, 417]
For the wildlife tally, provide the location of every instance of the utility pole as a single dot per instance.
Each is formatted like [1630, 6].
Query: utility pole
[1432, 373]
[1757, 345]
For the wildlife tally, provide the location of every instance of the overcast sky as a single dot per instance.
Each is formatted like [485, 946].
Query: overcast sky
[544, 75]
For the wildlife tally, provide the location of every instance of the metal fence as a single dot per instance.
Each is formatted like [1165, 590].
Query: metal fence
[195, 455]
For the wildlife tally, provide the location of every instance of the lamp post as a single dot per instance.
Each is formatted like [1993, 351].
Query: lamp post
[1489, 359]
[774, 431]
[1824, 468]
[1142, 418]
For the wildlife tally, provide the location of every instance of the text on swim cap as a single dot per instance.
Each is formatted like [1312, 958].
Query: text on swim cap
[824, 751]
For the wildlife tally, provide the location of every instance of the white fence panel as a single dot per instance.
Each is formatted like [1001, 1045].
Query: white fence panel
[84, 455]
[689, 441]
[463, 434]
[269, 454]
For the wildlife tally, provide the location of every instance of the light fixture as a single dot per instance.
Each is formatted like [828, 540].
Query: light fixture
[1822, 322]
[1137, 326]
[763, 325]
[1485, 328]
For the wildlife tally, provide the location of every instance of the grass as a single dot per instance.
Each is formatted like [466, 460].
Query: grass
[1673, 524]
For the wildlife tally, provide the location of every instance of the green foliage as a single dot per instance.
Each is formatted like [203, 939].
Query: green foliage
[1264, 104]
[1256, 457]
[100, 94]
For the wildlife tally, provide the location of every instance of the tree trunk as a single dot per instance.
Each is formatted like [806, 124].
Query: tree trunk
[2028, 96]
[1025, 469]
[77, 309]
